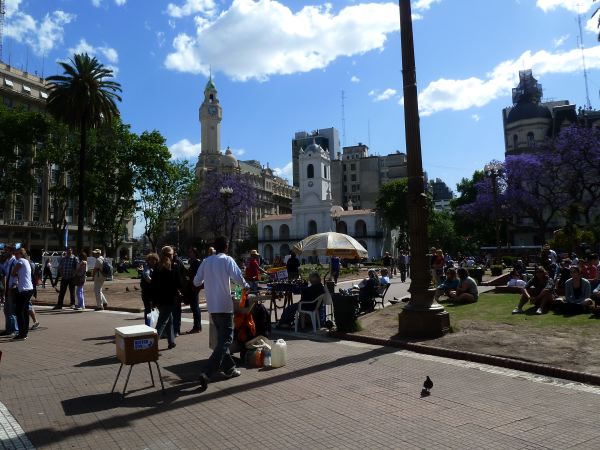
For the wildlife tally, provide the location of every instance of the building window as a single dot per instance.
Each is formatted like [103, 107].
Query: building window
[43, 95]
[325, 172]
[312, 227]
[352, 166]
[268, 232]
[344, 167]
[27, 89]
[353, 177]
[360, 228]
[8, 82]
[515, 141]
[310, 171]
[530, 139]
[353, 188]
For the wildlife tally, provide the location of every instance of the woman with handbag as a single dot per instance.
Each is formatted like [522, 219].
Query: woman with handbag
[80, 274]
[165, 287]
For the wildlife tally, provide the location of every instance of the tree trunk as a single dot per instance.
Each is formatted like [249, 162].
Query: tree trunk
[82, 185]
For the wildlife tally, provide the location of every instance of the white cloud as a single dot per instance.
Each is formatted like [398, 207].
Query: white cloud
[451, 94]
[576, 6]
[190, 7]
[559, 41]
[424, 4]
[257, 39]
[382, 96]
[184, 149]
[42, 36]
[285, 171]
[475, 117]
[355, 79]
[110, 54]
[240, 152]
[592, 24]
[98, 3]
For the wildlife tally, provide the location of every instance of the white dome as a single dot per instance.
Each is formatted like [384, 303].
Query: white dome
[228, 160]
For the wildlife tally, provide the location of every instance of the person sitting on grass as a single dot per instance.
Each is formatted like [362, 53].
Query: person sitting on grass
[593, 270]
[519, 267]
[578, 293]
[515, 280]
[562, 275]
[449, 286]
[467, 291]
[538, 291]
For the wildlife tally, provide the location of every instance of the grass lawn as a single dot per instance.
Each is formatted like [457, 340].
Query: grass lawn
[497, 308]
[489, 327]
[129, 273]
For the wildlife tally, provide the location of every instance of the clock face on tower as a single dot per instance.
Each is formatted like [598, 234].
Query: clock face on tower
[212, 110]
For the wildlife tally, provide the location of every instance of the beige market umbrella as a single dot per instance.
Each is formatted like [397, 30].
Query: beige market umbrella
[331, 244]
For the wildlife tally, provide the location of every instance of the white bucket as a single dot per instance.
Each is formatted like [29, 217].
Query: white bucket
[279, 354]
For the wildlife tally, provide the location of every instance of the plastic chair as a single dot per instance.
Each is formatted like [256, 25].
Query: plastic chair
[312, 313]
[381, 296]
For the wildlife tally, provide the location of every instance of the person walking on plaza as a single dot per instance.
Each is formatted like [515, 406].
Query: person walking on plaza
[10, 297]
[403, 265]
[24, 286]
[47, 274]
[293, 266]
[66, 269]
[146, 283]
[388, 262]
[99, 278]
[217, 272]
[194, 259]
[80, 275]
[334, 268]
[165, 293]
[253, 270]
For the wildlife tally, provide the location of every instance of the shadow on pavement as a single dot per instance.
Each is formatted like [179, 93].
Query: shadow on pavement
[180, 396]
[104, 361]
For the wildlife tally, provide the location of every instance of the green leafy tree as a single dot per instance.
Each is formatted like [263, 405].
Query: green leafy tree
[114, 166]
[162, 185]
[58, 156]
[83, 97]
[476, 229]
[392, 202]
[21, 132]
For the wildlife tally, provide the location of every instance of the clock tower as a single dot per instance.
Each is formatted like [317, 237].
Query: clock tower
[210, 120]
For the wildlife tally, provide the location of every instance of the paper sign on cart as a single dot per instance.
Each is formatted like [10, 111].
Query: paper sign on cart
[143, 344]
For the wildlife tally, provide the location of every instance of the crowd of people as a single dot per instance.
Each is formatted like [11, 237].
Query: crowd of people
[570, 285]
[18, 285]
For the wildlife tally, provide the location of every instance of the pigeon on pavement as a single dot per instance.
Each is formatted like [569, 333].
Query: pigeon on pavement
[427, 385]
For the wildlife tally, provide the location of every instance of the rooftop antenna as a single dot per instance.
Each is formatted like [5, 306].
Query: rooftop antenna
[343, 118]
[2, 12]
[588, 104]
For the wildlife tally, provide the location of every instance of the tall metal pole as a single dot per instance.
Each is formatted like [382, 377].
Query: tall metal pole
[422, 315]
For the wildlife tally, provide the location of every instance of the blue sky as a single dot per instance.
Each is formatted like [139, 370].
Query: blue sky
[280, 67]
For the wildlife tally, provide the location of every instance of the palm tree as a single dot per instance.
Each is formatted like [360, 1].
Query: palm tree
[83, 98]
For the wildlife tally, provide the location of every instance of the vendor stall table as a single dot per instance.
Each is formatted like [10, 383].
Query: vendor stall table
[137, 344]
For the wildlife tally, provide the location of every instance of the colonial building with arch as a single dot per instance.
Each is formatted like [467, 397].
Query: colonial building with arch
[312, 212]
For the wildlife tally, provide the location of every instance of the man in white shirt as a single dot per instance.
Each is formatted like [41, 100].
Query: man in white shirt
[10, 284]
[217, 272]
[22, 270]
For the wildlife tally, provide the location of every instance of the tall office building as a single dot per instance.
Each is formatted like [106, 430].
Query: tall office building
[327, 138]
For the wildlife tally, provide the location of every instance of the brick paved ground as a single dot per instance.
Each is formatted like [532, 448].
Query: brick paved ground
[330, 395]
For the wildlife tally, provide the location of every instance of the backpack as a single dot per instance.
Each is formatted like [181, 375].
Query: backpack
[107, 269]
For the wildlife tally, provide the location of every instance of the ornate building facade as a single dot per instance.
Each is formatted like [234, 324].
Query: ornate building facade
[273, 193]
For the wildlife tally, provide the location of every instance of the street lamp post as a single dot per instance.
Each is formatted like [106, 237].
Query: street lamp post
[493, 170]
[422, 316]
[226, 193]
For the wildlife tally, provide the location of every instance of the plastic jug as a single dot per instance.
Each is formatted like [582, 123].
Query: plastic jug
[279, 353]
